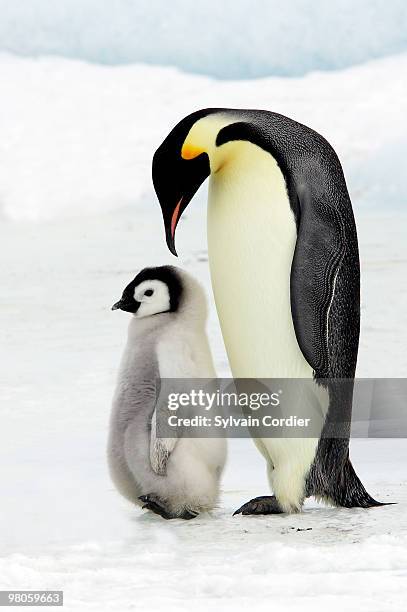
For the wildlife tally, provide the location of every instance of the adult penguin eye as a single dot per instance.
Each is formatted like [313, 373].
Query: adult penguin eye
[148, 292]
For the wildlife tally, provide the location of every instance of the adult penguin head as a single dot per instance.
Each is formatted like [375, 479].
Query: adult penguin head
[183, 162]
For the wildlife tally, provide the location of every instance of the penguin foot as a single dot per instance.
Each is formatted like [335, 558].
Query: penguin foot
[157, 505]
[265, 504]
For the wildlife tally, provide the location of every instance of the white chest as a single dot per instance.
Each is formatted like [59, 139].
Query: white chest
[251, 241]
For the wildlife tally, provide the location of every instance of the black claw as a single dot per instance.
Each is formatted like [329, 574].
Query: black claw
[189, 514]
[153, 503]
[266, 504]
[157, 509]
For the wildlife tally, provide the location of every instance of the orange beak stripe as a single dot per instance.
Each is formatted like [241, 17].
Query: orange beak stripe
[174, 218]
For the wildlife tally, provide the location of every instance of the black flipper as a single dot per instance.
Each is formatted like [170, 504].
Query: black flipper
[325, 307]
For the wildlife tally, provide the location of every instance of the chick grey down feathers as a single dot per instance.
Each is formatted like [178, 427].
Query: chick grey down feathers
[176, 478]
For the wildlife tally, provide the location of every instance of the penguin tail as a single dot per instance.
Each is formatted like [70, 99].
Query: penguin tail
[348, 491]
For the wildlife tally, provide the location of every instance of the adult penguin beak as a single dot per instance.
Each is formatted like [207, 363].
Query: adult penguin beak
[118, 305]
[171, 226]
[176, 180]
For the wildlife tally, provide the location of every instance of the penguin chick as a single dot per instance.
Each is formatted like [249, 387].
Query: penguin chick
[175, 478]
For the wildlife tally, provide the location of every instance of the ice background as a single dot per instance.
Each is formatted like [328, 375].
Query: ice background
[227, 38]
[88, 90]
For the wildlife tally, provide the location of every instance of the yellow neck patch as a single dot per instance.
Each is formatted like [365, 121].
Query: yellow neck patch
[188, 151]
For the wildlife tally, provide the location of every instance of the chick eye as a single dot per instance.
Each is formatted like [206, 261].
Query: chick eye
[148, 292]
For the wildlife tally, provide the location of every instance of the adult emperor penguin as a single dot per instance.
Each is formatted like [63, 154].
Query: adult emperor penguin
[284, 263]
[175, 478]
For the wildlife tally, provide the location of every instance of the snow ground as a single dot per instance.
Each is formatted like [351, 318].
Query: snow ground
[74, 155]
[63, 525]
